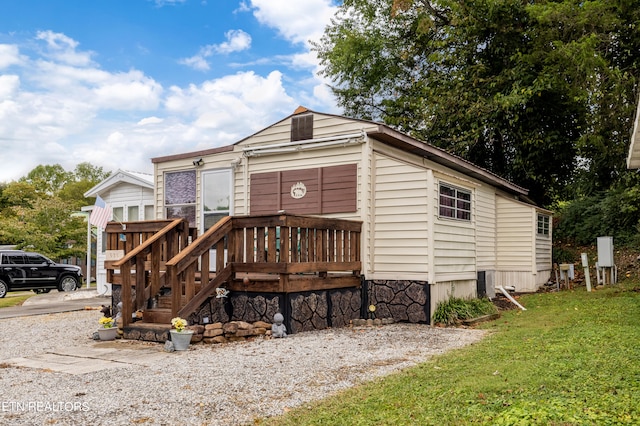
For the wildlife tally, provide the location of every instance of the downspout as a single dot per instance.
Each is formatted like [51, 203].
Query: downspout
[245, 182]
[367, 204]
[506, 293]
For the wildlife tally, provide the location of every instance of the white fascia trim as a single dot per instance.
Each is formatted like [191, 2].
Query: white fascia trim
[346, 139]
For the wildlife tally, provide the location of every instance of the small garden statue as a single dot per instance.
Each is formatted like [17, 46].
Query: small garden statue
[106, 310]
[278, 329]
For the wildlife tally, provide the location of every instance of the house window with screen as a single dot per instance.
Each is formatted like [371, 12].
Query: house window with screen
[216, 197]
[180, 195]
[455, 203]
[117, 214]
[543, 224]
[132, 213]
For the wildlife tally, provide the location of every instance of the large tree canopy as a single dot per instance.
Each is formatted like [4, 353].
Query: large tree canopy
[540, 92]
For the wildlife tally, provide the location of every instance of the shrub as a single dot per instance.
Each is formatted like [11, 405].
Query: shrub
[457, 309]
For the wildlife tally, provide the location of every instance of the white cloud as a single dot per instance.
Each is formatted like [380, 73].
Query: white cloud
[9, 55]
[161, 3]
[9, 85]
[60, 106]
[300, 22]
[128, 91]
[197, 62]
[63, 49]
[296, 21]
[237, 40]
[150, 120]
[239, 103]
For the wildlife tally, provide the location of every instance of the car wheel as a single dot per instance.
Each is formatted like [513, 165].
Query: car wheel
[41, 290]
[3, 289]
[68, 283]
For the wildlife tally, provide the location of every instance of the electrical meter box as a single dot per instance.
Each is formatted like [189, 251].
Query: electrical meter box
[605, 252]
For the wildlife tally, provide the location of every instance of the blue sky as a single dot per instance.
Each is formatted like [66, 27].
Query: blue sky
[118, 82]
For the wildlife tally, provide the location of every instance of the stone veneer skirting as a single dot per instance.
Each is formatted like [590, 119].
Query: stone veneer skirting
[399, 300]
[402, 300]
[304, 311]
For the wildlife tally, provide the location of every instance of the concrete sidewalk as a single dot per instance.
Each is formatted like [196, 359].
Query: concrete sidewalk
[63, 296]
[94, 357]
[55, 302]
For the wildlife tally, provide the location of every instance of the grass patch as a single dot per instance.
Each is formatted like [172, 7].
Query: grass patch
[457, 309]
[16, 300]
[572, 358]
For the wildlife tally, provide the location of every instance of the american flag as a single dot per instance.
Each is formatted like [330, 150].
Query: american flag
[101, 213]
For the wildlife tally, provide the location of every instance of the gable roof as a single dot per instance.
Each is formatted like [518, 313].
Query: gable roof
[633, 159]
[144, 180]
[391, 137]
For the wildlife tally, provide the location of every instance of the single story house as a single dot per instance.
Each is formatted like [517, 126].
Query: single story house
[429, 218]
[130, 195]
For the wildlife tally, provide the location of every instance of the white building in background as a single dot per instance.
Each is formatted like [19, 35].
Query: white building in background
[131, 197]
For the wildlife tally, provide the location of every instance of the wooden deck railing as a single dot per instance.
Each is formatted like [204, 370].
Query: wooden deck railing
[278, 253]
[146, 247]
[271, 253]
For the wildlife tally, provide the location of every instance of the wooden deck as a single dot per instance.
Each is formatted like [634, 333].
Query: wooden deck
[263, 254]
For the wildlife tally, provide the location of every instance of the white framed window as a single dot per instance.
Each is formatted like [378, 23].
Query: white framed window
[543, 224]
[117, 214]
[132, 213]
[216, 196]
[455, 203]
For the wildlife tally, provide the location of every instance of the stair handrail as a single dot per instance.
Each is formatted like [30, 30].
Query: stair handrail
[201, 245]
[136, 256]
[188, 259]
[145, 247]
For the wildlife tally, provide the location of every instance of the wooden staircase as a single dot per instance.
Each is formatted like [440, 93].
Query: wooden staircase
[260, 254]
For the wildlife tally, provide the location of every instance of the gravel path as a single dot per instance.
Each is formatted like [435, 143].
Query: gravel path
[230, 384]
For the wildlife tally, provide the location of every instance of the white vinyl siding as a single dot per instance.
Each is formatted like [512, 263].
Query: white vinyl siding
[515, 235]
[524, 257]
[454, 242]
[400, 218]
[485, 229]
[127, 200]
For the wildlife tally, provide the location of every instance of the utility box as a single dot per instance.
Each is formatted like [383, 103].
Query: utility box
[605, 252]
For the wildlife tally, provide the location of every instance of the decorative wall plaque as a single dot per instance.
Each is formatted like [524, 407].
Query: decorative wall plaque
[298, 190]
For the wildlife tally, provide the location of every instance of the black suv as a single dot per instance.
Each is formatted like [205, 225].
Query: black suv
[20, 270]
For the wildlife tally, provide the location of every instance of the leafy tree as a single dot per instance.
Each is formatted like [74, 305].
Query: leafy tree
[49, 226]
[17, 194]
[39, 211]
[84, 177]
[539, 92]
[48, 179]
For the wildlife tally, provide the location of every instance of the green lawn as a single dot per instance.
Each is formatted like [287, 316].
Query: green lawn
[573, 358]
[15, 299]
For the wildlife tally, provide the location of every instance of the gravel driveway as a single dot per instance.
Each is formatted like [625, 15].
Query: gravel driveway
[229, 384]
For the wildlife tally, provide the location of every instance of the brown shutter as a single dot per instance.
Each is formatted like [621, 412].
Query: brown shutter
[328, 190]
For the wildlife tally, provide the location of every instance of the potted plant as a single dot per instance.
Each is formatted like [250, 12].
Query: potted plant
[107, 331]
[180, 336]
